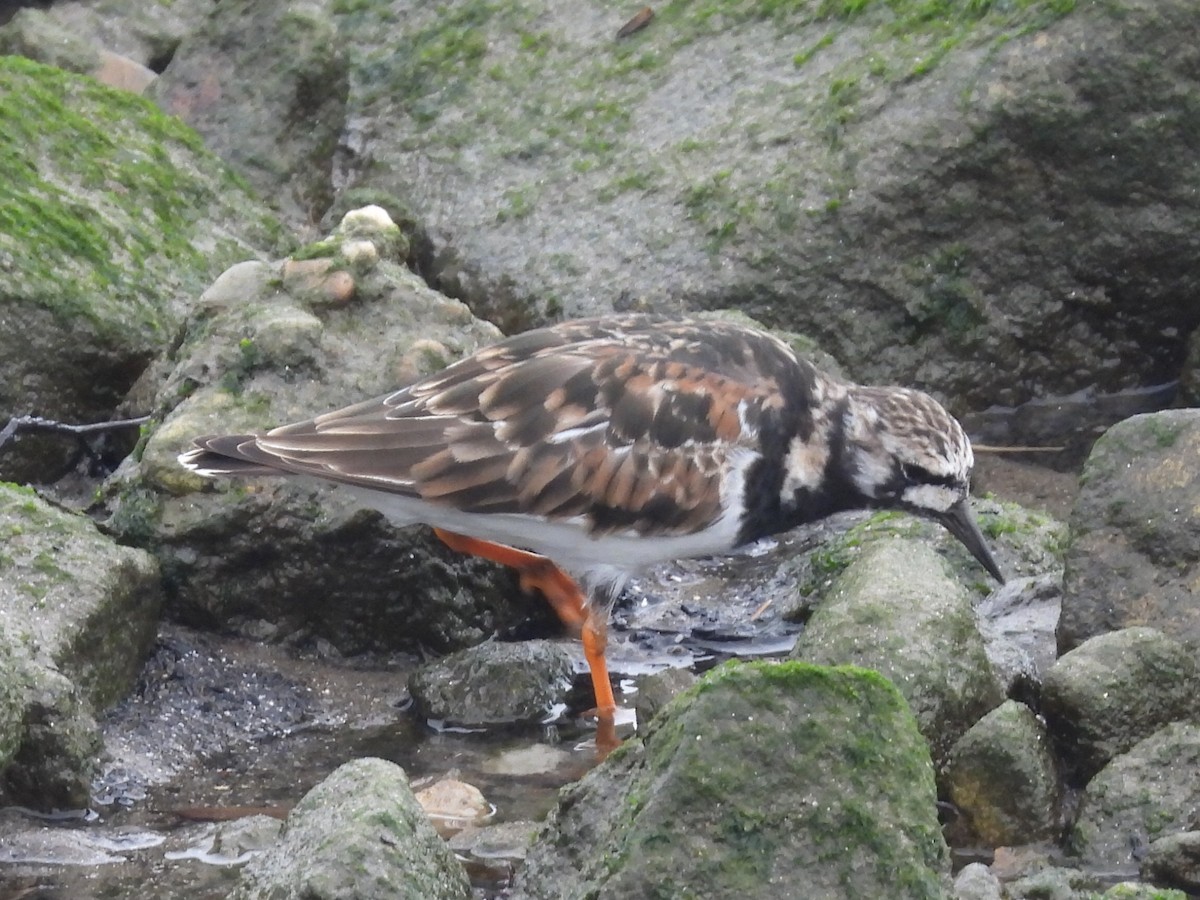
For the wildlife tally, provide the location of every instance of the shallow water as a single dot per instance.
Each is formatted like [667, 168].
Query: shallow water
[125, 850]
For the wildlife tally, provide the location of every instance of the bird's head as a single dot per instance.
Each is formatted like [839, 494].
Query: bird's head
[904, 451]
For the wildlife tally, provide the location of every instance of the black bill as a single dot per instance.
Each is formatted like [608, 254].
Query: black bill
[960, 523]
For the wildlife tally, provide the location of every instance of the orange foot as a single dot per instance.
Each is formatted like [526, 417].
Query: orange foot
[570, 603]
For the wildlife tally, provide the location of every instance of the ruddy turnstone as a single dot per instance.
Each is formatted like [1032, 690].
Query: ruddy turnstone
[583, 452]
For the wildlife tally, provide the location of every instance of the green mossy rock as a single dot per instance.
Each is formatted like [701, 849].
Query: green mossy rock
[112, 216]
[358, 834]
[764, 780]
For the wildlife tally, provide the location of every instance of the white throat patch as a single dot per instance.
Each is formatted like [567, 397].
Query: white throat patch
[933, 497]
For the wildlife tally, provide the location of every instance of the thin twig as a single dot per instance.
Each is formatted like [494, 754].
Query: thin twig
[993, 448]
[18, 424]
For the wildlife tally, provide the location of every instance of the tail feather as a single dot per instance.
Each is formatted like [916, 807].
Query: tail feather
[230, 454]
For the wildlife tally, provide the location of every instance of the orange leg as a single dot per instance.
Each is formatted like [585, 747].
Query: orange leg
[569, 602]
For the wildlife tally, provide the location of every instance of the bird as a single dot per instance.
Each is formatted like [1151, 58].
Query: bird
[583, 452]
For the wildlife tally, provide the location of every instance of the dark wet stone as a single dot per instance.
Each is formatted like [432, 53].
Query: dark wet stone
[1134, 552]
[787, 780]
[1147, 793]
[360, 834]
[897, 610]
[1174, 860]
[1114, 690]
[494, 683]
[1003, 778]
[1018, 622]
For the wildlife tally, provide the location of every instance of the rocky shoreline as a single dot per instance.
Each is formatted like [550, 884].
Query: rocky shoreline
[1021, 245]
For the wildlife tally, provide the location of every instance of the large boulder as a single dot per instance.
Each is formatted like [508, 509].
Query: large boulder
[765, 780]
[895, 183]
[277, 342]
[1134, 551]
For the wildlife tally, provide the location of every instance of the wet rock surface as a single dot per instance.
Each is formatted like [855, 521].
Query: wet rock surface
[77, 614]
[1018, 622]
[1174, 860]
[1135, 544]
[1131, 803]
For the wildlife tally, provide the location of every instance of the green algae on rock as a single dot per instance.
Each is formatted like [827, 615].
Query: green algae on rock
[789, 778]
[112, 216]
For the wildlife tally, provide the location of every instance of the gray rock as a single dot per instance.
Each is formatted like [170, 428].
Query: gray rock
[897, 610]
[976, 882]
[74, 599]
[869, 197]
[508, 841]
[33, 34]
[1174, 860]
[274, 107]
[782, 780]
[1147, 793]
[1114, 690]
[115, 212]
[241, 839]
[77, 616]
[1134, 555]
[279, 342]
[494, 683]
[360, 833]
[1025, 544]
[53, 765]
[1002, 776]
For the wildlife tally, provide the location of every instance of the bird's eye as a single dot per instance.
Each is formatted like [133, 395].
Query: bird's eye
[916, 474]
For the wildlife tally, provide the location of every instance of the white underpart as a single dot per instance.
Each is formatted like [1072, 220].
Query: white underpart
[600, 562]
[934, 497]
